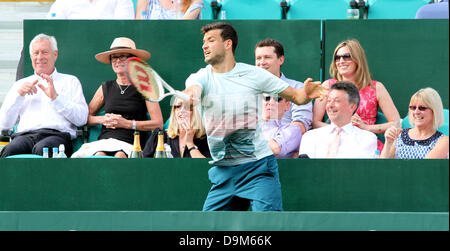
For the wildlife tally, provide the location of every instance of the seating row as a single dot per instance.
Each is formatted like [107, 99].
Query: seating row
[311, 9]
[309, 46]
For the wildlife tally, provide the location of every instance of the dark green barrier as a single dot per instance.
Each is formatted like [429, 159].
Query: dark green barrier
[405, 55]
[179, 185]
[176, 47]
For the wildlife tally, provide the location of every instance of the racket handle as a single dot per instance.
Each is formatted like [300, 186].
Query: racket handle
[182, 95]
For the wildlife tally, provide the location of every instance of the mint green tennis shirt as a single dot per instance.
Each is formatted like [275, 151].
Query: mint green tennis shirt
[231, 111]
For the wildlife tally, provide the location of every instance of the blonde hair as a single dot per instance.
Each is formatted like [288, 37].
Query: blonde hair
[362, 75]
[431, 98]
[196, 123]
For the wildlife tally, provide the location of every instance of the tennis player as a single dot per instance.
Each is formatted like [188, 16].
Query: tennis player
[245, 171]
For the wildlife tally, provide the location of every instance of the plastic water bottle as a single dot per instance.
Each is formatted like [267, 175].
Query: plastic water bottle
[143, 15]
[376, 155]
[168, 150]
[55, 152]
[62, 154]
[45, 152]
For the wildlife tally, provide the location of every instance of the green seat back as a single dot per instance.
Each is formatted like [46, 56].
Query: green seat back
[248, 9]
[313, 9]
[24, 156]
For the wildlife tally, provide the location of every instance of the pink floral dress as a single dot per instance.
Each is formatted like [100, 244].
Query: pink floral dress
[368, 105]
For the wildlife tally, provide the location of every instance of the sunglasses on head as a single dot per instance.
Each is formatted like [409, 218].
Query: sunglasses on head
[276, 98]
[346, 57]
[421, 108]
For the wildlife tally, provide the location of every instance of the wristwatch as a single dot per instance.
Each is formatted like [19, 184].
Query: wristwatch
[134, 125]
[192, 148]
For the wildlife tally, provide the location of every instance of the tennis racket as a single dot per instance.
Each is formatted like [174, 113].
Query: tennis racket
[148, 82]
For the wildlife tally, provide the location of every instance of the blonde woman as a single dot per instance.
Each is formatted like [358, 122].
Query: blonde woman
[186, 135]
[426, 114]
[169, 9]
[350, 64]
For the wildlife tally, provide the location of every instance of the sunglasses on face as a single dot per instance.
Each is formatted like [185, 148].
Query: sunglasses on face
[346, 57]
[122, 57]
[268, 97]
[421, 108]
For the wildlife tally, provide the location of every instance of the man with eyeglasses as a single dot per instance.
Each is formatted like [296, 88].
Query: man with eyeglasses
[47, 105]
[283, 139]
[126, 111]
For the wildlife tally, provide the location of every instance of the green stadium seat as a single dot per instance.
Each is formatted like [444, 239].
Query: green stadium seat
[25, 156]
[248, 9]
[381, 119]
[76, 143]
[313, 9]
[99, 157]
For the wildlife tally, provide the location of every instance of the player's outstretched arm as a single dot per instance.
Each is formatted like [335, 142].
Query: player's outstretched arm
[311, 90]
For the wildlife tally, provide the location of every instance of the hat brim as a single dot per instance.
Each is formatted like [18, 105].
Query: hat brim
[105, 58]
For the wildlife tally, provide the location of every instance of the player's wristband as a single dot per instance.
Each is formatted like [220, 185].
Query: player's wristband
[134, 125]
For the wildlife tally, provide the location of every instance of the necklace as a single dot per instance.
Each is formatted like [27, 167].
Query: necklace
[122, 91]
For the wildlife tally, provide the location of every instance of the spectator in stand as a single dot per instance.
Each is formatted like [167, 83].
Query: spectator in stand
[186, 135]
[169, 9]
[126, 109]
[48, 105]
[284, 139]
[340, 139]
[269, 55]
[86, 9]
[426, 114]
[433, 10]
[92, 9]
[350, 64]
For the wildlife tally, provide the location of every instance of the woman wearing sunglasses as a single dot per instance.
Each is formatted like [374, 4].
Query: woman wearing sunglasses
[426, 114]
[186, 135]
[125, 108]
[350, 64]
